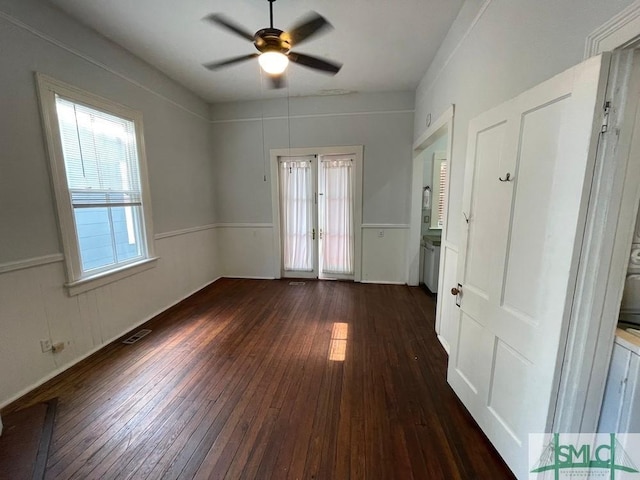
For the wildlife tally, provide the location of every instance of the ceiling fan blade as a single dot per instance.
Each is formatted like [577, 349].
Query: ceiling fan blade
[229, 61]
[277, 81]
[221, 20]
[315, 62]
[313, 24]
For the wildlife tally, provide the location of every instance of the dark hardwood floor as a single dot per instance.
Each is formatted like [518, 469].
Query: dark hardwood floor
[245, 379]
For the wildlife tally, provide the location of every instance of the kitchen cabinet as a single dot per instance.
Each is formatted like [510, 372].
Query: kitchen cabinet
[431, 263]
[621, 403]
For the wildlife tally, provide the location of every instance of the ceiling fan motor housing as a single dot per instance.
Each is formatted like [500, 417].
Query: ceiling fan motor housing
[272, 40]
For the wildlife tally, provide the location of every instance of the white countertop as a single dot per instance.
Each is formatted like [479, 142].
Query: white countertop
[628, 340]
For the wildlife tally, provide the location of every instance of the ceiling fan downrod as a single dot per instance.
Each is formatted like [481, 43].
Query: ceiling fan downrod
[271, 12]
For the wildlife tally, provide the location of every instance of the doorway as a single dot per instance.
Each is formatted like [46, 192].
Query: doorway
[317, 209]
[433, 149]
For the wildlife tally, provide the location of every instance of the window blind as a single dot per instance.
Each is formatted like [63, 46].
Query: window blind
[442, 184]
[100, 156]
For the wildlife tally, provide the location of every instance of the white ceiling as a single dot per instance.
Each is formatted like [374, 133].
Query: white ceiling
[385, 45]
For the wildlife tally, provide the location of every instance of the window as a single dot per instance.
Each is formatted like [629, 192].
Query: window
[439, 180]
[99, 177]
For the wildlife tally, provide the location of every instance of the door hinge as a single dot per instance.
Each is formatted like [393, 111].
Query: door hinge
[605, 119]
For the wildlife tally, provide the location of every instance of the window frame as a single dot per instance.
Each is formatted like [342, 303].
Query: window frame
[77, 280]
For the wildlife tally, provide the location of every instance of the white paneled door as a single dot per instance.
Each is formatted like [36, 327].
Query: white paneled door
[527, 179]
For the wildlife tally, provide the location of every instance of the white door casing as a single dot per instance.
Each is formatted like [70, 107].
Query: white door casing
[519, 253]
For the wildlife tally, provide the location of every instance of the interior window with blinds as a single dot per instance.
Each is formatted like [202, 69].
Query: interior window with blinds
[439, 182]
[442, 185]
[101, 163]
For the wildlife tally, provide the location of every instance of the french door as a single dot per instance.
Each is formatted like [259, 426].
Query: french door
[317, 216]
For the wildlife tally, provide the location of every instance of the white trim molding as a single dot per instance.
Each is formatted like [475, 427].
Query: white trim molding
[244, 225]
[618, 32]
[429, 135]
[249, 277]
[385, 225]
[87, 58]
[310, 115]
[184, 231]
[31, 262]
[100, 280]
[382, 282]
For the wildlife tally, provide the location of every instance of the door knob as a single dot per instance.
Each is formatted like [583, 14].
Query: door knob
[457, 292]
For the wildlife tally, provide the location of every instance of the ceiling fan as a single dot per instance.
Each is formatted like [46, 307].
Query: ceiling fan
[275, 46]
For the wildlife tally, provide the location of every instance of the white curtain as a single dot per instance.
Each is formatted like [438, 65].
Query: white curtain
[296, 190]
[337, 215]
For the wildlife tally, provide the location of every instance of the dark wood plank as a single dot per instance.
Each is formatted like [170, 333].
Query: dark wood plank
[237, 382]
[25, 441]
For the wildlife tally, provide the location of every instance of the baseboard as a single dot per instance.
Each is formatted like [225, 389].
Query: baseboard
[248, 277]
[383, 282]
[70, 364]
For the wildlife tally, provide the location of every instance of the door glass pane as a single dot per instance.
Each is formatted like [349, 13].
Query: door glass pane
[296, 190]
[337, 215]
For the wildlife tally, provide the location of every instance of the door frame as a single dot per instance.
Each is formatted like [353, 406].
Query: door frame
[608, 230]
[591, 331]
[444, 124]
[357, 151]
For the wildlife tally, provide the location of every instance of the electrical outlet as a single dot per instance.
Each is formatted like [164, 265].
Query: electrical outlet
[380, 233]
[45, 345]
[58, 347]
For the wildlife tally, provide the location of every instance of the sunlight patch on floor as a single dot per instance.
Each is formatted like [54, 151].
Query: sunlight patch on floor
[338, 345]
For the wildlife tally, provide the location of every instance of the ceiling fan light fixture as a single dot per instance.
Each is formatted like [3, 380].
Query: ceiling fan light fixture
[273, 63]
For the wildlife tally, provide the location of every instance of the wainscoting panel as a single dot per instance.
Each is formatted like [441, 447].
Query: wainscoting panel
[34, 306]
[384, 250]
[246, 250]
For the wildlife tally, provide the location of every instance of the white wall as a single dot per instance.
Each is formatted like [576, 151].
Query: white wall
[33, 302]
[495, 50]
[242, 135]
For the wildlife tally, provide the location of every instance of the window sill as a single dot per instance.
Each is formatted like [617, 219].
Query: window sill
[101, 279]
